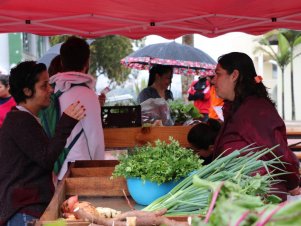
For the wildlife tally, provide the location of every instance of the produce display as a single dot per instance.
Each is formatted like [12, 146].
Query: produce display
[188, 199]
[81, 210]
[232, 206]
[160, 163]
[222, 193]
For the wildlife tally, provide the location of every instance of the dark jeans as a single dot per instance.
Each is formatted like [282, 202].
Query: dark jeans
[19, 219]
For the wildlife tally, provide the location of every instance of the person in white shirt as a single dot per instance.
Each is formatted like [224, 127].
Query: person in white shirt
[76, 84]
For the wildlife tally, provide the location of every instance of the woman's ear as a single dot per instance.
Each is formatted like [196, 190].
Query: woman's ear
[235, 75]
[27, 92]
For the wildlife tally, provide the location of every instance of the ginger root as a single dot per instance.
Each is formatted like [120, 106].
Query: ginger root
[107, 212]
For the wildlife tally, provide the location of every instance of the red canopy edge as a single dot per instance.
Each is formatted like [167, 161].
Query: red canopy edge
[136, 19]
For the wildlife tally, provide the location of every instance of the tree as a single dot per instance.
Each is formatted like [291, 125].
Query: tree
[281, 57]
[106, 53]
[294, 39]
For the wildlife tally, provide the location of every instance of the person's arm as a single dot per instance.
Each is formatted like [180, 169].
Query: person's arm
[287, 156]
[266, 128]
[30, 137]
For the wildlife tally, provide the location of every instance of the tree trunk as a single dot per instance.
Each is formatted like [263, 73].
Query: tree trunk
[187, 80]
[292, 88]
[282, 93]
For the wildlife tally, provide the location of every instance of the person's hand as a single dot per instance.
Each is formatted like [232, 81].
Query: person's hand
[76, 110]
[102, 99]
[295, 191]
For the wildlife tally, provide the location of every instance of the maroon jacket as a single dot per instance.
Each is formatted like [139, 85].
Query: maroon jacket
[257, 121]
[27, 158]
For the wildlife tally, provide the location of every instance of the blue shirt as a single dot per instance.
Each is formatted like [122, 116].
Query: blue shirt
[150, 92]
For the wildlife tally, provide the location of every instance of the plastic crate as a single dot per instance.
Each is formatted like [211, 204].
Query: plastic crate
[121, 116]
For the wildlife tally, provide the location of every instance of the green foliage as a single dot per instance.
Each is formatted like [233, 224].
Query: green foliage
[235, 205]
[181, 112]
[287, 41]
[161, 163]
[106, 54]
[57, 39]
[281, 57]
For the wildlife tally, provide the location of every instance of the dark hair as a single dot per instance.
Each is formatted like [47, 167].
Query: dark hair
[246, 84]
[203, 135]
[75, 53]
[24, 75]
[55, 66]
[4, 80]
[157, 69]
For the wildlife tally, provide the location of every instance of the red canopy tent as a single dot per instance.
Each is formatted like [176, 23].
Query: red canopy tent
[138, 18]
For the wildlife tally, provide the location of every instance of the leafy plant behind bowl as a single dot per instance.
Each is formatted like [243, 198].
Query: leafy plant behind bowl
[181, 112]
[161, 163]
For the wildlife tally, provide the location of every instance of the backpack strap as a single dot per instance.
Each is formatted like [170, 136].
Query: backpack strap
[75, 139]
[61, 159]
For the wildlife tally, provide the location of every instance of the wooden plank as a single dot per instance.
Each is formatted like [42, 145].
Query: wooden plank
[68, 223]
[293, 132]
[91, 172]
[96, 186]
[130, 137]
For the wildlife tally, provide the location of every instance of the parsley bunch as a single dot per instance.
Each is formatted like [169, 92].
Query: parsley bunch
[161, 163]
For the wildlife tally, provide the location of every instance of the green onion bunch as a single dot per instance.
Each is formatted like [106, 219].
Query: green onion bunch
[188, 199]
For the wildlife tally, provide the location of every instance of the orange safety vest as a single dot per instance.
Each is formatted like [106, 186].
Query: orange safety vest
[214, 101]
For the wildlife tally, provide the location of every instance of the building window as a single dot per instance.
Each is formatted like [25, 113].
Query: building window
[26, 43]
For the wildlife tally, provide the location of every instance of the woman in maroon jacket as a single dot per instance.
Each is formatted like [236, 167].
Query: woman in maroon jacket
[27, 155]
[251, 117]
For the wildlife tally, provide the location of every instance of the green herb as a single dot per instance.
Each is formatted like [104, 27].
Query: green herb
[181, 112]
[161, 163]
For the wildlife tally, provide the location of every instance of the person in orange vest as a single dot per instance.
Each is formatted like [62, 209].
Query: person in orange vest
[216, 103]
[199, 92]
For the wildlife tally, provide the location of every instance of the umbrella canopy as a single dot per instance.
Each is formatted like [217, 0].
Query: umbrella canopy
[50, 54]
[185, 59]
[137, 19]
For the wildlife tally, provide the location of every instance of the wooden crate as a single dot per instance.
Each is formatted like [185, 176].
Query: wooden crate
[137, 136]
[91, 181]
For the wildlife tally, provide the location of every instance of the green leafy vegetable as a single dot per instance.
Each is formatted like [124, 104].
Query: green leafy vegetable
[160, 163]
[181, 112]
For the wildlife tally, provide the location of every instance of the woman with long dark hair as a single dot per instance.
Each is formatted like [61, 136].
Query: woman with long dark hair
[251, 118]
[160, 77]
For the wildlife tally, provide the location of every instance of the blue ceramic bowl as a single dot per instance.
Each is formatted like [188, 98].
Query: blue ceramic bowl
[145, 192]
